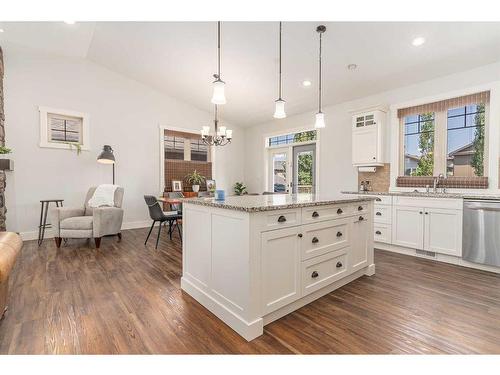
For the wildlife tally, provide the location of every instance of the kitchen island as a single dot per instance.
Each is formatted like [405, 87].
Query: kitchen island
[252, 259]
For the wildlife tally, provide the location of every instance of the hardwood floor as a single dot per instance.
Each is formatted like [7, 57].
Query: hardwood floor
[125, 298]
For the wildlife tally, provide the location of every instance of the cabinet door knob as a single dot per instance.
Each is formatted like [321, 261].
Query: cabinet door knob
[315, 274]
[420, 212]
[281, 219]
[339, 211]
[361, 218]
[427, 213]
[315, 214]
[378, 199]
[374, 158]
[339, 234]
[360, 208]
[315, 240]
[378, 232]
[299, 235]
[339, 264]
[379, 214]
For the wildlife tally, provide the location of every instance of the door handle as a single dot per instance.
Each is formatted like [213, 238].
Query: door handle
[360, 208]
[315, 214]
[361, 218]
[378, 232]
[339, 234]
[379, 214]
[281, 219]
[339, 264]
[339, 211]
[315, 274]
[315, 240]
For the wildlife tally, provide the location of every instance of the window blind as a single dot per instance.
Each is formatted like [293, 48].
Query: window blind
[443, 105]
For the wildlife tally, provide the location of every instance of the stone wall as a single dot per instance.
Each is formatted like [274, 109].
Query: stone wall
[3, 210]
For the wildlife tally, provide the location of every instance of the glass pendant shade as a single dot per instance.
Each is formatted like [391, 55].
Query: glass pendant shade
[280, 109]
[219, 97]
[320, 120]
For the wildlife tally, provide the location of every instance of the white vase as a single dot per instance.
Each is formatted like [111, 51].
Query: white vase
[196, 188]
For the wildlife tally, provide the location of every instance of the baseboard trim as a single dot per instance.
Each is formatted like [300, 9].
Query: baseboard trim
[33, 235]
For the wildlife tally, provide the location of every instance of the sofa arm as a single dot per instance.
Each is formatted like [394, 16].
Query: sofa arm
[107, 220]
[60, 213]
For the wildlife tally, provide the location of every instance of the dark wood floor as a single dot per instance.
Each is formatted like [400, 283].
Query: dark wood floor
[126, 298]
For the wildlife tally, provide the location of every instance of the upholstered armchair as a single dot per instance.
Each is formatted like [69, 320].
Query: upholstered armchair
[88, 222]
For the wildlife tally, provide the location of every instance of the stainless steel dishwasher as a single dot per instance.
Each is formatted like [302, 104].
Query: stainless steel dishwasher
[481, 231]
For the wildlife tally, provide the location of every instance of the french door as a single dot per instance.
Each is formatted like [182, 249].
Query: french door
[293, 169]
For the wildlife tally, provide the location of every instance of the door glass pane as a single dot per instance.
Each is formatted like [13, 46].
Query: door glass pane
[305, 172]
[279, 172]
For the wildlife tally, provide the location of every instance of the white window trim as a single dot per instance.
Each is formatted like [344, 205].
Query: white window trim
[492, 133]
[267, 149]
[44, 128]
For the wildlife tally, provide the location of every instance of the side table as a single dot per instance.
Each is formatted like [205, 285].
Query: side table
[43, 217]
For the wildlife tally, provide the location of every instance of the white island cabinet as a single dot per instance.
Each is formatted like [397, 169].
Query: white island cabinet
[253, 259]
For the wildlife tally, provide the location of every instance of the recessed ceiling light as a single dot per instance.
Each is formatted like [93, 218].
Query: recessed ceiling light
[352, 66]
[418, 41]
[69, 22]
[1, 30]
[306, 83]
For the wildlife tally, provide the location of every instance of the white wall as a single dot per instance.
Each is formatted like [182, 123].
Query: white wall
[123, 113]
[336, 171]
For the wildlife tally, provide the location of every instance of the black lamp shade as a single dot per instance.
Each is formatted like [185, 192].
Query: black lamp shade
[106, 156]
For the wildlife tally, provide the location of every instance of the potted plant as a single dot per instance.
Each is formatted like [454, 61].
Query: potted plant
[195, 179]
[240, 188]
[4, 151]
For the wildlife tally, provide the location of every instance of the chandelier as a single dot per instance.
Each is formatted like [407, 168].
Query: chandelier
[221, 137]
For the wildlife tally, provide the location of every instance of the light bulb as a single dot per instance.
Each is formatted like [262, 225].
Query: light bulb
[219, 97]
[229, 134]
[320, 120]
[280, 109]
[205, 130]
[222, 130]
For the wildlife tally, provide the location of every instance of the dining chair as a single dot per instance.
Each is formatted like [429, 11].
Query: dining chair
[157, 215]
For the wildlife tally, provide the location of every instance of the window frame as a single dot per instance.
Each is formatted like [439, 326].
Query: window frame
[45, 130]
[441, 143]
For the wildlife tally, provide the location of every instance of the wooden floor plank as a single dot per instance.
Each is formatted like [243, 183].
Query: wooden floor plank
[125, 298]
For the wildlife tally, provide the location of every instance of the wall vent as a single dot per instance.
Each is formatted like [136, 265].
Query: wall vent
[426, 254]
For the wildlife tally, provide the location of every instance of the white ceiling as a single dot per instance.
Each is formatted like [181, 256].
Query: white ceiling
[179, 58]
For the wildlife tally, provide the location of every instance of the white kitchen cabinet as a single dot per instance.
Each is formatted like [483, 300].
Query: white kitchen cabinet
[408, 226]
[443, 231]
[280, 268]
[358, 253]
[368, 138]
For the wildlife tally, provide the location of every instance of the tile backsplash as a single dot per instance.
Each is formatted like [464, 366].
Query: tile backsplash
[380, 180]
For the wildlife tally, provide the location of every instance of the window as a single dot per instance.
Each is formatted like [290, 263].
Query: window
[465, 140]
[448, 137]
[419, 145]
[199, 150]
[174, 147]
[61, 128]
[305, 136]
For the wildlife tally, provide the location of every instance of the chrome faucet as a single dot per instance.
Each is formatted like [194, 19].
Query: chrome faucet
[436, 182]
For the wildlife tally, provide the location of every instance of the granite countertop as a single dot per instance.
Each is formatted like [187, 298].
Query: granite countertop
[259, 203]
[422, 194]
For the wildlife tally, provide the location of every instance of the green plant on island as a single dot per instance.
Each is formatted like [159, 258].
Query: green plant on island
[240, 188]
[194, 178]
[5, 150]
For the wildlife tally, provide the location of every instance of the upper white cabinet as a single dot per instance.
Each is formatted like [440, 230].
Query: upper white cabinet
[368, 138]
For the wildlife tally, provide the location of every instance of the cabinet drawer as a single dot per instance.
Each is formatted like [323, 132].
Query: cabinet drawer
[322, 271]
[322, 213]
[451, 203]
[385, 200]
[382, 233]
[280, 219]
[382, 214]
[321, 238]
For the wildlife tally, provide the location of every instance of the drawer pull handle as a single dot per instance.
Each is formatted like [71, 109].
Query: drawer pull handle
[360, 208]
[378, 200]
[315, 240]
[315, 214]
[315, 274]
[339, 264]
[361, 218]
[339, 211]
[299, 235]
[281, 219]
[339, 234]
[420, 212]
[378, 232]
[379, 214]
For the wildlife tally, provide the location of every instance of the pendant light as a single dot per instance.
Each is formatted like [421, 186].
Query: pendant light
[221, 136]
[218, 96]
[280, 103]
[320, 116]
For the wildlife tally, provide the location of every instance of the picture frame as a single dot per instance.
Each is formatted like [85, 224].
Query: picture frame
[211, 186]
[176, 185]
